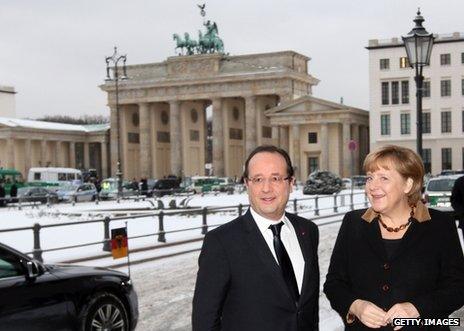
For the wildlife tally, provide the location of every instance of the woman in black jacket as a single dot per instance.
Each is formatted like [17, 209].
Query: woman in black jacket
[397, 259]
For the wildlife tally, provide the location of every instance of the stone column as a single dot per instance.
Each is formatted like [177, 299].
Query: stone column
[72, 154]
[218, 138]
[145, 155]
[295, 150]
[175, 137]
[104, 160]
[59, 154]
[28, 156]
[86, 156]
[346, 151]
[43, 153]
[356, 152]
[284, 138]
[250, 124]
[324, 142]
[114, 140]
[275, 136]
[10, 152]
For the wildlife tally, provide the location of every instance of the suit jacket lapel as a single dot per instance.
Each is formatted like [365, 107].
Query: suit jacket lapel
[258, 244]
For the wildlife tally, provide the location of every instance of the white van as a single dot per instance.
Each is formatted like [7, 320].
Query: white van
[55, 176]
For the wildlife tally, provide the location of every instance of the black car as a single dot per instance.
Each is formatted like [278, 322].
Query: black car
[322, 182]
[166, 186]
[36, 296]
[37, 194]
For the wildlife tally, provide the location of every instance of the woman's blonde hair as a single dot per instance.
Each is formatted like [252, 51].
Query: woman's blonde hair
[405, 161]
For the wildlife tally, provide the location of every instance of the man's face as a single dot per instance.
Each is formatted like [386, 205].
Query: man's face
[268, 197]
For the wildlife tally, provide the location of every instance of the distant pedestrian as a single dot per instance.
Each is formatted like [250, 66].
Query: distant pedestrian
[14, 190]
[457, 201]
[2, 195]
[135, 184]
[144, 186]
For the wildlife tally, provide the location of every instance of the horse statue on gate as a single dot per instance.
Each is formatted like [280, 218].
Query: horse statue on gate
[179, 43]
[190, 44]
[210, 42]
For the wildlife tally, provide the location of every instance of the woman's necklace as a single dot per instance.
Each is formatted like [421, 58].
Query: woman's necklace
[402, 226]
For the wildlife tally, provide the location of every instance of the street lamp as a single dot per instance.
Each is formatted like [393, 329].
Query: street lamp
[418, 44]
[114, 60]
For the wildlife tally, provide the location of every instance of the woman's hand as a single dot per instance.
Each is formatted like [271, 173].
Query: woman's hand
[368, 313]
[401, 310]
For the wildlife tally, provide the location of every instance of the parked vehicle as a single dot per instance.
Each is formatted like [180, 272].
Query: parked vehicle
[166, 186]
[438, 192]
[225, 184]
[322, 182]
[54, 177]
[358, 181]
[451, 172]
[10, 176]
[39, 297]
[36, 194]
[346, 183]
[78, 193]
[109, 189]
[201, 184]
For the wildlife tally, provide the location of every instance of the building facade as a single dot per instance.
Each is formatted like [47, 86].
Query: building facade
[28, 143]
[162, 112]
[392, 92]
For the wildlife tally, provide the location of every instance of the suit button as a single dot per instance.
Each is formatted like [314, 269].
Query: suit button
[385, 288]
[386, 266]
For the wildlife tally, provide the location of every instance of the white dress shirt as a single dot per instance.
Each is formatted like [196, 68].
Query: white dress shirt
[289, 239]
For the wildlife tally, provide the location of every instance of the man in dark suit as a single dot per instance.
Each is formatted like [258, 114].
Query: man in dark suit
[260, 271]
[457, 201]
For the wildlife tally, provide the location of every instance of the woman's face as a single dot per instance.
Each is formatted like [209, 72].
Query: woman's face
[386, 190]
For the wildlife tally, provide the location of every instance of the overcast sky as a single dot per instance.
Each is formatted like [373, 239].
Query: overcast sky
[53, 52]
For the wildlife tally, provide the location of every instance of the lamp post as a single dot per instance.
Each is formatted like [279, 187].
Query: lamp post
[114, 60]
[418, 43]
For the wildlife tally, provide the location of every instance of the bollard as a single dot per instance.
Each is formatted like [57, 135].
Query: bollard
[37, 252]
[106, 235]
[240, 209]
[204, 229]
[161, 235]
[48, 200]
[19, 203]
[335, 204]
[74, 200]
[97, 198]
[316, 205]
[295, 206]
[351, 201]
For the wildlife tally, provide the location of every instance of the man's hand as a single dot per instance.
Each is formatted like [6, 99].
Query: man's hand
[401, 310]
[368, 313]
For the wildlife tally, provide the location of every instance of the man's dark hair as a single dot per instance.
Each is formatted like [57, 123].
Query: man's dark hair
[269, 149]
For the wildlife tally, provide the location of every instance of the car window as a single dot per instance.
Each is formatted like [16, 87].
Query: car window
[9, 265]
[441, 185]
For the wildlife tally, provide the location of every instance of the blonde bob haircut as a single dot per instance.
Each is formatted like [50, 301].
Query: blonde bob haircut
[402, 159]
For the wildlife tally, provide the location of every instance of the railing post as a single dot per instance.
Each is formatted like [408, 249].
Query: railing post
[19, 203]
[240, 209]
[316, 205]
[351, 201]
[204, 229]
[97, 198]
[48, 200]
[365, 200]
[37, 252]
[295, 206]
[335, 203]
[106, 235]
[161, 235]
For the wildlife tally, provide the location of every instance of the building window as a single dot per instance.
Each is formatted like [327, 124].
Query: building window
[384, 64]
[426, 128]
[446, 158]
[312, 137]
[445, 87]
[313, 164]
[445, 59]
[462, 86]
[267, 132]
[163, 137]
[404, 62]
[405, 92]
[385, 124]
[194, 135]
[395, 93]
[427, 159]
[236, 134]
[133, 138]
[462, 119]
[385, 94]
[405, 123]
[426, 89]
[445, 121]
[135, 119]
[462, 58]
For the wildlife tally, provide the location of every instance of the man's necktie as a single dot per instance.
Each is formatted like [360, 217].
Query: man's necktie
[284, 261]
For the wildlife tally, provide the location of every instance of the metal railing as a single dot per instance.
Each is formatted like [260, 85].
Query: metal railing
[297, 206]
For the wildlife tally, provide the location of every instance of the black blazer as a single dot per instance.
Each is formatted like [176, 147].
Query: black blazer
[240, 286]
[427, 269]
